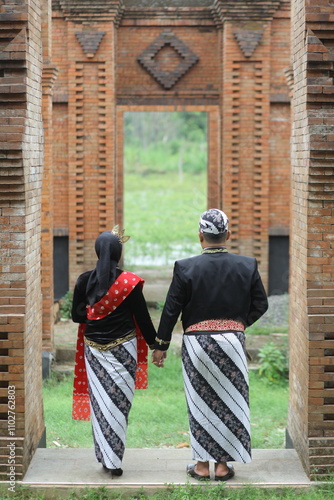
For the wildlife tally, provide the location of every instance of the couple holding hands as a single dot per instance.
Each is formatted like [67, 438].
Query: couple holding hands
[218, 295]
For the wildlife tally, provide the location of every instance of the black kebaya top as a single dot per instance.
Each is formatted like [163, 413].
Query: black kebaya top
[117, 324]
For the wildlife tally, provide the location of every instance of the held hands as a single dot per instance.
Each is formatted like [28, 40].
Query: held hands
[158, 358]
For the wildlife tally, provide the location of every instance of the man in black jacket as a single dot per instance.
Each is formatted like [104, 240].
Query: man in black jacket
[218, 295]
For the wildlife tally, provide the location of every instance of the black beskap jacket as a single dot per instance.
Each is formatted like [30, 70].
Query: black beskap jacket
[212, 286]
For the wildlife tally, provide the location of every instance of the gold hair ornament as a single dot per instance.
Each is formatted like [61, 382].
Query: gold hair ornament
[120, 234]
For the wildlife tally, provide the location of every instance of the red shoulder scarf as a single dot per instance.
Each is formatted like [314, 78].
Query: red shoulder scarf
[118, 291]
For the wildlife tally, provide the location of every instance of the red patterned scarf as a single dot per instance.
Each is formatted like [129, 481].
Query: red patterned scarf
[120, 289]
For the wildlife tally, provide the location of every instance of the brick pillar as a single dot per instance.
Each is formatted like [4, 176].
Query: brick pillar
[21, 162]
[246, 123]
[48, 78]
[91, 40]
[311, 412]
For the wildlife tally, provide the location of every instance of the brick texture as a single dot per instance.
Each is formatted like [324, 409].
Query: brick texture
[311, 414]
[21, 161]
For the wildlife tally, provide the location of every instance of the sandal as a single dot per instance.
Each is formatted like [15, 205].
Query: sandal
[227, 476]
[191, 472]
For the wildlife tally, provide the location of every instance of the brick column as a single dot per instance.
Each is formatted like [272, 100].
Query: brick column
[91, 37]
[21, 162]
[246, 123]
[48, 78]
[311, 412]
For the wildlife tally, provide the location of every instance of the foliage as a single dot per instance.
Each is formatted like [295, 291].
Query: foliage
[222, 491]
[165, 184]
[273, 363]
[66, 305]
[180, 492]
[165, 141]
[258, 329]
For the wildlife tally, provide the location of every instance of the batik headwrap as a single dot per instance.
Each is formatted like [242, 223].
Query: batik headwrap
[213, 221]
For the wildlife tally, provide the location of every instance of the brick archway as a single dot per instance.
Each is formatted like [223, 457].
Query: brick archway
[230, 59]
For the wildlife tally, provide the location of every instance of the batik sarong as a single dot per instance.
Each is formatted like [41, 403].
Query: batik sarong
[216, 386]
[118, 292]
[105, 379]
[111, 381]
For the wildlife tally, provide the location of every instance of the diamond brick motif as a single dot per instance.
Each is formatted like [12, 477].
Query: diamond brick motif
[167, 79]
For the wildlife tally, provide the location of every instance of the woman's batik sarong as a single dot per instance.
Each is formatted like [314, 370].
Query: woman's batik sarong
[111, 381]
[118, 292]
[216, 386]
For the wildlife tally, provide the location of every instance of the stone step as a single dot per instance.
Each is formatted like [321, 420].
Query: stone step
[150, 470]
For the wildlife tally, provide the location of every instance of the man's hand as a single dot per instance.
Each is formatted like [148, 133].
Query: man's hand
[158, 358]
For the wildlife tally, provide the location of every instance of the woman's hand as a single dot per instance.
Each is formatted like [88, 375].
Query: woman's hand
[158, 358]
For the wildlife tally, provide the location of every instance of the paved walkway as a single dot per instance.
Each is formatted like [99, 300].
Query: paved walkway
[152, 469]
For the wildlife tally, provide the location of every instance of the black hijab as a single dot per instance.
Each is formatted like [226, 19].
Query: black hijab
[108, 248]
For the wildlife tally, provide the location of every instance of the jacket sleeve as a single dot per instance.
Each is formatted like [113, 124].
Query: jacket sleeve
[78, 312]
[259, 301]
[175, 300]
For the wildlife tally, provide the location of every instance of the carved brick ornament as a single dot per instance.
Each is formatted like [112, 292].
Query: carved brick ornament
[167, 79]
[248, 40]
[90, 41]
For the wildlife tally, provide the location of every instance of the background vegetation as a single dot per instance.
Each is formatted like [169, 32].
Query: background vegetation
[165, 184]
[186, 492]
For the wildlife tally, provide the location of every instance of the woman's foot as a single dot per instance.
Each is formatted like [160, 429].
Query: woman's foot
[113, 472]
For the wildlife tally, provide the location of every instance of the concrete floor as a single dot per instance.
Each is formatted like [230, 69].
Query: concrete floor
[152, 469]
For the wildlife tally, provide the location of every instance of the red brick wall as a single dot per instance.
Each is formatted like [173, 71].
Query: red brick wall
[134, 82]
[280, 169]
[245, 134]
[280, 130]
[60, 162]
[247, 164]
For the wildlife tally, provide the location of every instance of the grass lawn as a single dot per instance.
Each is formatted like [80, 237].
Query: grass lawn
[164, 403]
[161, 213]
[186, 492]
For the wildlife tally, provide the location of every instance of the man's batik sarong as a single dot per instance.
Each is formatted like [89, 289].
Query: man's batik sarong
[216, 386]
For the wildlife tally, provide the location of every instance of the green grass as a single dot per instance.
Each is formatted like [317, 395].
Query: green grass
[161, 214]
[269, 408]
[266, 330]
[186, 492]
[165, 406]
